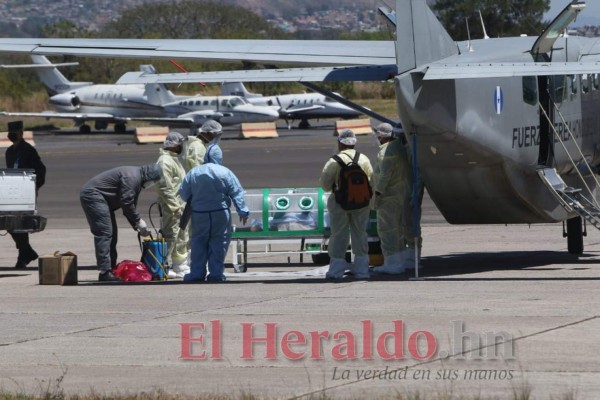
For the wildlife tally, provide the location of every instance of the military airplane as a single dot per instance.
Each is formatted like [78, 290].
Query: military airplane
[504, 130]
[120, 103]
[302, 106]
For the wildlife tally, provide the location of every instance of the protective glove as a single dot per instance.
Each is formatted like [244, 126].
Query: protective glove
[142, 228]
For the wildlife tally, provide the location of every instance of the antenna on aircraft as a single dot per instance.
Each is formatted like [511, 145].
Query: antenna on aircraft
[469, 36]
[179, 67]
[485, 35]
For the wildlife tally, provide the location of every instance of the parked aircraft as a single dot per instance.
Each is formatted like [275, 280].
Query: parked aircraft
[505, 130]
[119, 103]
[302, 106]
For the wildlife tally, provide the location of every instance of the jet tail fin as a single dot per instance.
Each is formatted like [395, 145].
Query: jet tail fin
[420, 37]
[237, 89]
[54, 81]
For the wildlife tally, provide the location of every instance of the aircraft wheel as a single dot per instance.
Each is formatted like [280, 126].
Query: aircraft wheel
[304, 124]
[120, 127]
[85, 129]
[575, 235]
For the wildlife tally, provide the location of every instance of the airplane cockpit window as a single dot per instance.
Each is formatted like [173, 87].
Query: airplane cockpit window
[530, 91]
[234, 102]
[329, 100]
[223, 103]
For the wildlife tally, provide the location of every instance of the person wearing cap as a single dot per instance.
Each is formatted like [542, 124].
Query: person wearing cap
[108, 191]
[22, 155]
[390, 186]
[195, 151]
[172, 205]
[346, 224]
[210, 189]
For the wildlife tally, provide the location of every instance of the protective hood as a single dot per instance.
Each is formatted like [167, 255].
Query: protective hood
[150, 173]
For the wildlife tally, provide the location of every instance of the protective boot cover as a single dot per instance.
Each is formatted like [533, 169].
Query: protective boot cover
[392, 265]
[360, 267]
[337, 267]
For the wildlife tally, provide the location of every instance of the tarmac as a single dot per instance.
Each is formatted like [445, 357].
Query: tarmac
[499, 311]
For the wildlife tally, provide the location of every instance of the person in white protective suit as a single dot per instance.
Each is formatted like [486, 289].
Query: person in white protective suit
[210, 189]
[172, 205]
[390, 186]
[346, 225]
[195, 150]
[116, 188]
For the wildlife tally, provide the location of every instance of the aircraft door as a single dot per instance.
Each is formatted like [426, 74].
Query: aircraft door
[546, 149]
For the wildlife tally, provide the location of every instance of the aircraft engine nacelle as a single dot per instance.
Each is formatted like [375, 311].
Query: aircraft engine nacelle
[199, 117]
[66, 101]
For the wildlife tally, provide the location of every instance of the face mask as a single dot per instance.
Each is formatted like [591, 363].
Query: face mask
[13, 136]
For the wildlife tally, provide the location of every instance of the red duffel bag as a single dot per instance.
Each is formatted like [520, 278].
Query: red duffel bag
[132, 271]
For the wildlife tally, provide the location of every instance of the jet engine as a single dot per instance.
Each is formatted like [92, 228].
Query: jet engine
[66, 101]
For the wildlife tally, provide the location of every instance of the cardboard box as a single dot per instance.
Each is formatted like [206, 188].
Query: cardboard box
[58, 269]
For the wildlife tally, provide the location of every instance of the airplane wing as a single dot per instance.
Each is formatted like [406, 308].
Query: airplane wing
[295, 52]
[193, 118]
[318, 74]
[441, 71]
[73, 116]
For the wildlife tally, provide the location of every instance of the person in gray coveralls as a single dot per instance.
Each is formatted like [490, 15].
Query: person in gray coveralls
[101, 196]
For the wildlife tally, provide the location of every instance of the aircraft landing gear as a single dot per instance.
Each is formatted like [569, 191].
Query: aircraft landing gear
[85, 129]
[574, 235]
[100, 125]
[304, 124]
[120, 127]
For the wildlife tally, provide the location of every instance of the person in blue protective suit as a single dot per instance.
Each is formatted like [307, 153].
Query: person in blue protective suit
[171, 204]
[210, 189]
[116, 188]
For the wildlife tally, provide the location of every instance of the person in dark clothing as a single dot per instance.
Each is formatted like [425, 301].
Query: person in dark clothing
[116, 188]
[22, 155]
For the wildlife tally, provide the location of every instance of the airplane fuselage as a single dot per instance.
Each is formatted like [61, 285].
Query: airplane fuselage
[305, 106]
[481, 141]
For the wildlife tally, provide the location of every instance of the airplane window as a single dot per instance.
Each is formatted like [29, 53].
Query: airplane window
[205, 102]
[224, 103]
[198, 102]
[213, 102]
[235, 102]
[270, 102]
[530, 93]
[585, 83]
[304, 101]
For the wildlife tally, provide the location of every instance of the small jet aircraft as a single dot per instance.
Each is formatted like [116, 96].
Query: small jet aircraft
[504, 130]
[302, 106]
[119, 103]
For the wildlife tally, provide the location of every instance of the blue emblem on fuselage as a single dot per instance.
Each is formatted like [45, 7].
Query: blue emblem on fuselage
[498, 100]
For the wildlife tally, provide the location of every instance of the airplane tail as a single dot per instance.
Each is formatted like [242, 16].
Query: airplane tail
[157, 93]
[54, 81]
[420, 37]
[237, 89]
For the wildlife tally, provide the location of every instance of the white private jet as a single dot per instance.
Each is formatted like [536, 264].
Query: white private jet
[302, 106]
[119, 103]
